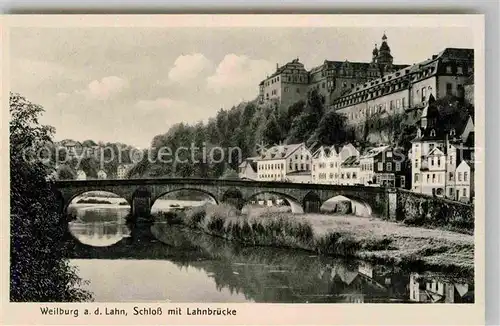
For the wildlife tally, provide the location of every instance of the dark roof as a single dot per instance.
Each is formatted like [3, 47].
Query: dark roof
[304, 172]
[351, 161]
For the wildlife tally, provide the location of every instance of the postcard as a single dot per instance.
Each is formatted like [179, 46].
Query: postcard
[243, 169]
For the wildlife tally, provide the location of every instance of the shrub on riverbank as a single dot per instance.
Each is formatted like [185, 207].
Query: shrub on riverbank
[368, 239]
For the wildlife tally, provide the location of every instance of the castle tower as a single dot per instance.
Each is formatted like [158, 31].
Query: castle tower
[384, 53]
[375, 54]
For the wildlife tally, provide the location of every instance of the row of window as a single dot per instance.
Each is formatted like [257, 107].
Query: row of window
[274, 166]
[368, 94]
[272, 81]
[346, 175]
[439, 177]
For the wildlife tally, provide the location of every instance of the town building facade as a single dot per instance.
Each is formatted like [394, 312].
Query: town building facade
[438, 153]
[275, 163]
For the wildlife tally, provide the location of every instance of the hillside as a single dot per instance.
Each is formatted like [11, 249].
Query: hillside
[249, 126]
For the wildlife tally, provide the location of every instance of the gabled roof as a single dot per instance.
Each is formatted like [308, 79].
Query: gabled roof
[279, 152]
[350, 162]
[374, 151]
[435, 151]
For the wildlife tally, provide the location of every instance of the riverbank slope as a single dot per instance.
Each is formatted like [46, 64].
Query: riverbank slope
[370, 239]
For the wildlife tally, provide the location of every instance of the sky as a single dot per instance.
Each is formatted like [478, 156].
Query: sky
[130, 84]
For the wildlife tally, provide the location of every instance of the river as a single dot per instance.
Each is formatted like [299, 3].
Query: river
[167, 263]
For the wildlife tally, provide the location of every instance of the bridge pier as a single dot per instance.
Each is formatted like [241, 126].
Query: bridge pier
[392, 203]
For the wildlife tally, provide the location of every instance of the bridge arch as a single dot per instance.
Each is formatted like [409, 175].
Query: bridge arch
[78, 193]
[356, 205]
[295, 204]
[169, 191]
[311, 202]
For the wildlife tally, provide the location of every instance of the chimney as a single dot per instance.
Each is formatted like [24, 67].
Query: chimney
[277, 66]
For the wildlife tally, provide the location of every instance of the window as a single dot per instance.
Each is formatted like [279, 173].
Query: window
[428, 178]
[448, 69]
[415, 177]
[432, 160]
[302, 166]
[449, 88]
[296, 166]
[460, 70]
[433, 178]
[389, 166]
[459, 176]
[391, 106]
[354, 175]
[389, 154]
[307, 167]
[331, 165]
[286, 89]
[450, 176]
[433, 134]
[403, 102]
[403, 181]
[465, 176]
[323, 85]
[423, 94]
[398, 104]
[298, 90]
[416, 163]
[451, 191]
[451, 159]
[398, 166]
[464, 192]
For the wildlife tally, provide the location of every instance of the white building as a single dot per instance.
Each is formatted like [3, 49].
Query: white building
[247, 170]
[326, 163]
[436, 154]
[81, 175]
[464, 181]
[122, 170]
[280, 160]
[349, 171]
[101, 174]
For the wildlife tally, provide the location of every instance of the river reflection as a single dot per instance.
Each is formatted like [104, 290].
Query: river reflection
[167, 263]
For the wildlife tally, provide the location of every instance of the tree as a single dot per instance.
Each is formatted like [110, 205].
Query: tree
[331, 129]
[65, 173]
[272, 132]
[39, 270]
[229, 174]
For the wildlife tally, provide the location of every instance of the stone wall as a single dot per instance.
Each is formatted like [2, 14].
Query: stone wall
[418, 209]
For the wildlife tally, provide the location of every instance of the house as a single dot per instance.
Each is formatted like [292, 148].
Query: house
[101, 174]
[247, 170]
[437, 151]
[280, 160]
[349, 171]
[464, 181]
[81, 175]
[384, 166]
[326, 163]
[122, 170]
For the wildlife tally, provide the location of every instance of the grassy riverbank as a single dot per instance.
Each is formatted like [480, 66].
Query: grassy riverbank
[365, 238]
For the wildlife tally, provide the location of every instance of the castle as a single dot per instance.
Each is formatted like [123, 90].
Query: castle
[291, 82]
[359, 89]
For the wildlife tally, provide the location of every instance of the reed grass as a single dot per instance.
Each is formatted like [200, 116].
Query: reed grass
[372, 239]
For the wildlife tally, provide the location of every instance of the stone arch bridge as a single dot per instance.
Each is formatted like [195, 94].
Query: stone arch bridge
[142, 193]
